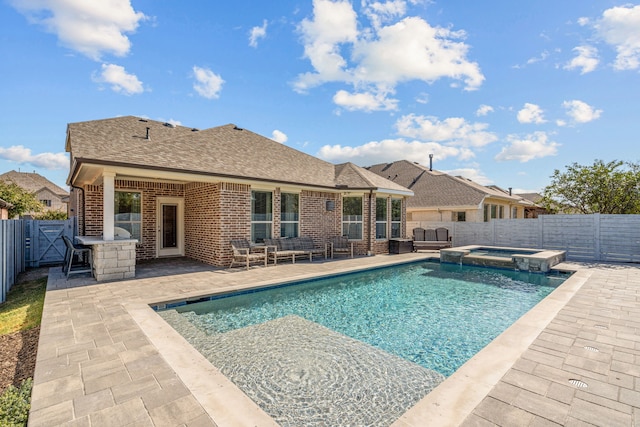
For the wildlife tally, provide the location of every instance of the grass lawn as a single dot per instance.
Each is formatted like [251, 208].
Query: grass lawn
[20, 317]
[23, 308]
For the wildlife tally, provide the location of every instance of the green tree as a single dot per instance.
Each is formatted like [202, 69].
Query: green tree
[21, 199]
[51, 215]
[607, 188]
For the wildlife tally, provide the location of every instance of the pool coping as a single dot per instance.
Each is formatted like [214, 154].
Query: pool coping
[448, 404]
[88, 326]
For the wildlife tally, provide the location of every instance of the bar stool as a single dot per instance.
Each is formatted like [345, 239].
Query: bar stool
[80, 251]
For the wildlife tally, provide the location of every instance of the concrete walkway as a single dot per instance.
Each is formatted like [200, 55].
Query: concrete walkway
[106, 359]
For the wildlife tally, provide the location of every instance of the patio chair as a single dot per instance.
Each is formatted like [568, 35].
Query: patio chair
[79, 251]
[244, 253]
[340, 245]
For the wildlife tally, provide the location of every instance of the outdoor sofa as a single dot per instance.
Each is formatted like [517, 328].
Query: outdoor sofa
[292, 247]
[431, 239]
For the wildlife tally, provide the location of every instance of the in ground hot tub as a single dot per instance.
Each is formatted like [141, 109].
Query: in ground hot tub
[534, 260]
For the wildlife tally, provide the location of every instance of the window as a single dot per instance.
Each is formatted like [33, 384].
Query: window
[493, 212]
[289, 216]
[381, 218]
[128, 212]
[46, 202]
[261, 215]
[514, 213]
[396, 218]
[458, 216]
[352, 217]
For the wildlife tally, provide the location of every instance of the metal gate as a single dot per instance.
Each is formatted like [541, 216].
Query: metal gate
[43, 241]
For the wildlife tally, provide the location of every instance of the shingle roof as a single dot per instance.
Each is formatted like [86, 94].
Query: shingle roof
[32, 182]
[221, 151]
[5, 205]
[433, 188]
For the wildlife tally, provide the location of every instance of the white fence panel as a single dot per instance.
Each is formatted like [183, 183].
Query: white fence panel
[596, 237]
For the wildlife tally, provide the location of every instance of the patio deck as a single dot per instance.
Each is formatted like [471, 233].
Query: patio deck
[105, 358]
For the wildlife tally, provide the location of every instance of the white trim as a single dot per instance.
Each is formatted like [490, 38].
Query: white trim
[179, 249]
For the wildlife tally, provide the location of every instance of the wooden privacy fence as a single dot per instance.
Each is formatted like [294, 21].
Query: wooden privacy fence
[30, 243]
[12, 261]
[596, 237]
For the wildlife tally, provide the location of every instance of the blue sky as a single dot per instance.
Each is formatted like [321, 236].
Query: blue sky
[501, 92]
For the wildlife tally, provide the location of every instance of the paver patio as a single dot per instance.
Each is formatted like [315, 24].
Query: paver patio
[106, 359]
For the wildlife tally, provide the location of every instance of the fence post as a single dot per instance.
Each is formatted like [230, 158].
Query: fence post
[596, 236]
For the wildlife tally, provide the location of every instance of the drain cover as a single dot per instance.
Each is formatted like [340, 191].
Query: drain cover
[589, 348]
[578, 383]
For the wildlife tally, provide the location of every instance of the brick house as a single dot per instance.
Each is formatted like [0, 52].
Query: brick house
[443, 197]
[181, 191]
[52, 197]
[4, 209]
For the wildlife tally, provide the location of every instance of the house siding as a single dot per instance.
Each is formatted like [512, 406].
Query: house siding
[216, 213]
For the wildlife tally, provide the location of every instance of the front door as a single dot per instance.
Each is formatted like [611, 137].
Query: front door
[170, 226]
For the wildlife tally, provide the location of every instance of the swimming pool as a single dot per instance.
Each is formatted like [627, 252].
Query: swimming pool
[371, 343]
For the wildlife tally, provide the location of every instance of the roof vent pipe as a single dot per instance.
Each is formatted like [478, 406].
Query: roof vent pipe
[148, 133]
[430, 162]
[510, 191]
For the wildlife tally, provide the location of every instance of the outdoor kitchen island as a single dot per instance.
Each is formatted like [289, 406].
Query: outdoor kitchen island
[112, 259]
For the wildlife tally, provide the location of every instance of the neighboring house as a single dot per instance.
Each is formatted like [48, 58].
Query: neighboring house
[4, 209]
[535, 209]
[184, 191]
[52, 197]
[442, 197]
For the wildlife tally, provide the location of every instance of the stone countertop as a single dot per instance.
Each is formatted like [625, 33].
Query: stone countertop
[96, 240]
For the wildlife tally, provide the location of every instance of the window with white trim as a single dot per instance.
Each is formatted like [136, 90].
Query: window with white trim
[289, 215]
[381, 218]
[127, 211]
[396, 218]
[352, 217]
[261, 215]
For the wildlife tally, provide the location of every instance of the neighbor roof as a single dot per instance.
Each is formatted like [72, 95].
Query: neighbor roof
[32, 182]
[434, 188]
[5, 204]
[224, 151]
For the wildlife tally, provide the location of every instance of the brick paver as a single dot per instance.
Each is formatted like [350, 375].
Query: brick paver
[99, 365]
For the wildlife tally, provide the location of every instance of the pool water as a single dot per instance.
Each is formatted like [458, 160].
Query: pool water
[404, 328]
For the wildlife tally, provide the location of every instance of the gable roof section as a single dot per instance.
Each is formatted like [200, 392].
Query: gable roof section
[434, 188]
[223, 151]
[352, 176]
[32, 182]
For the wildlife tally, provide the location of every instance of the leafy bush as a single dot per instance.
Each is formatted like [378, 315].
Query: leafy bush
[51, 215]
[15, 404]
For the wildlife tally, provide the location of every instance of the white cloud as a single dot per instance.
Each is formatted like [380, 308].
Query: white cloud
[544, 55]
[586, 59]
[257, 33]
[382, 56]
[620, 28]
[119, 79]
[531, 113]
[364, 101]
[279, 136]
[383, 151]
[92, 28]
[21, 154]
[382, 12]
[580, 111]
[454, 131]
[483, 110]
[523, 149]
[208, 84]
